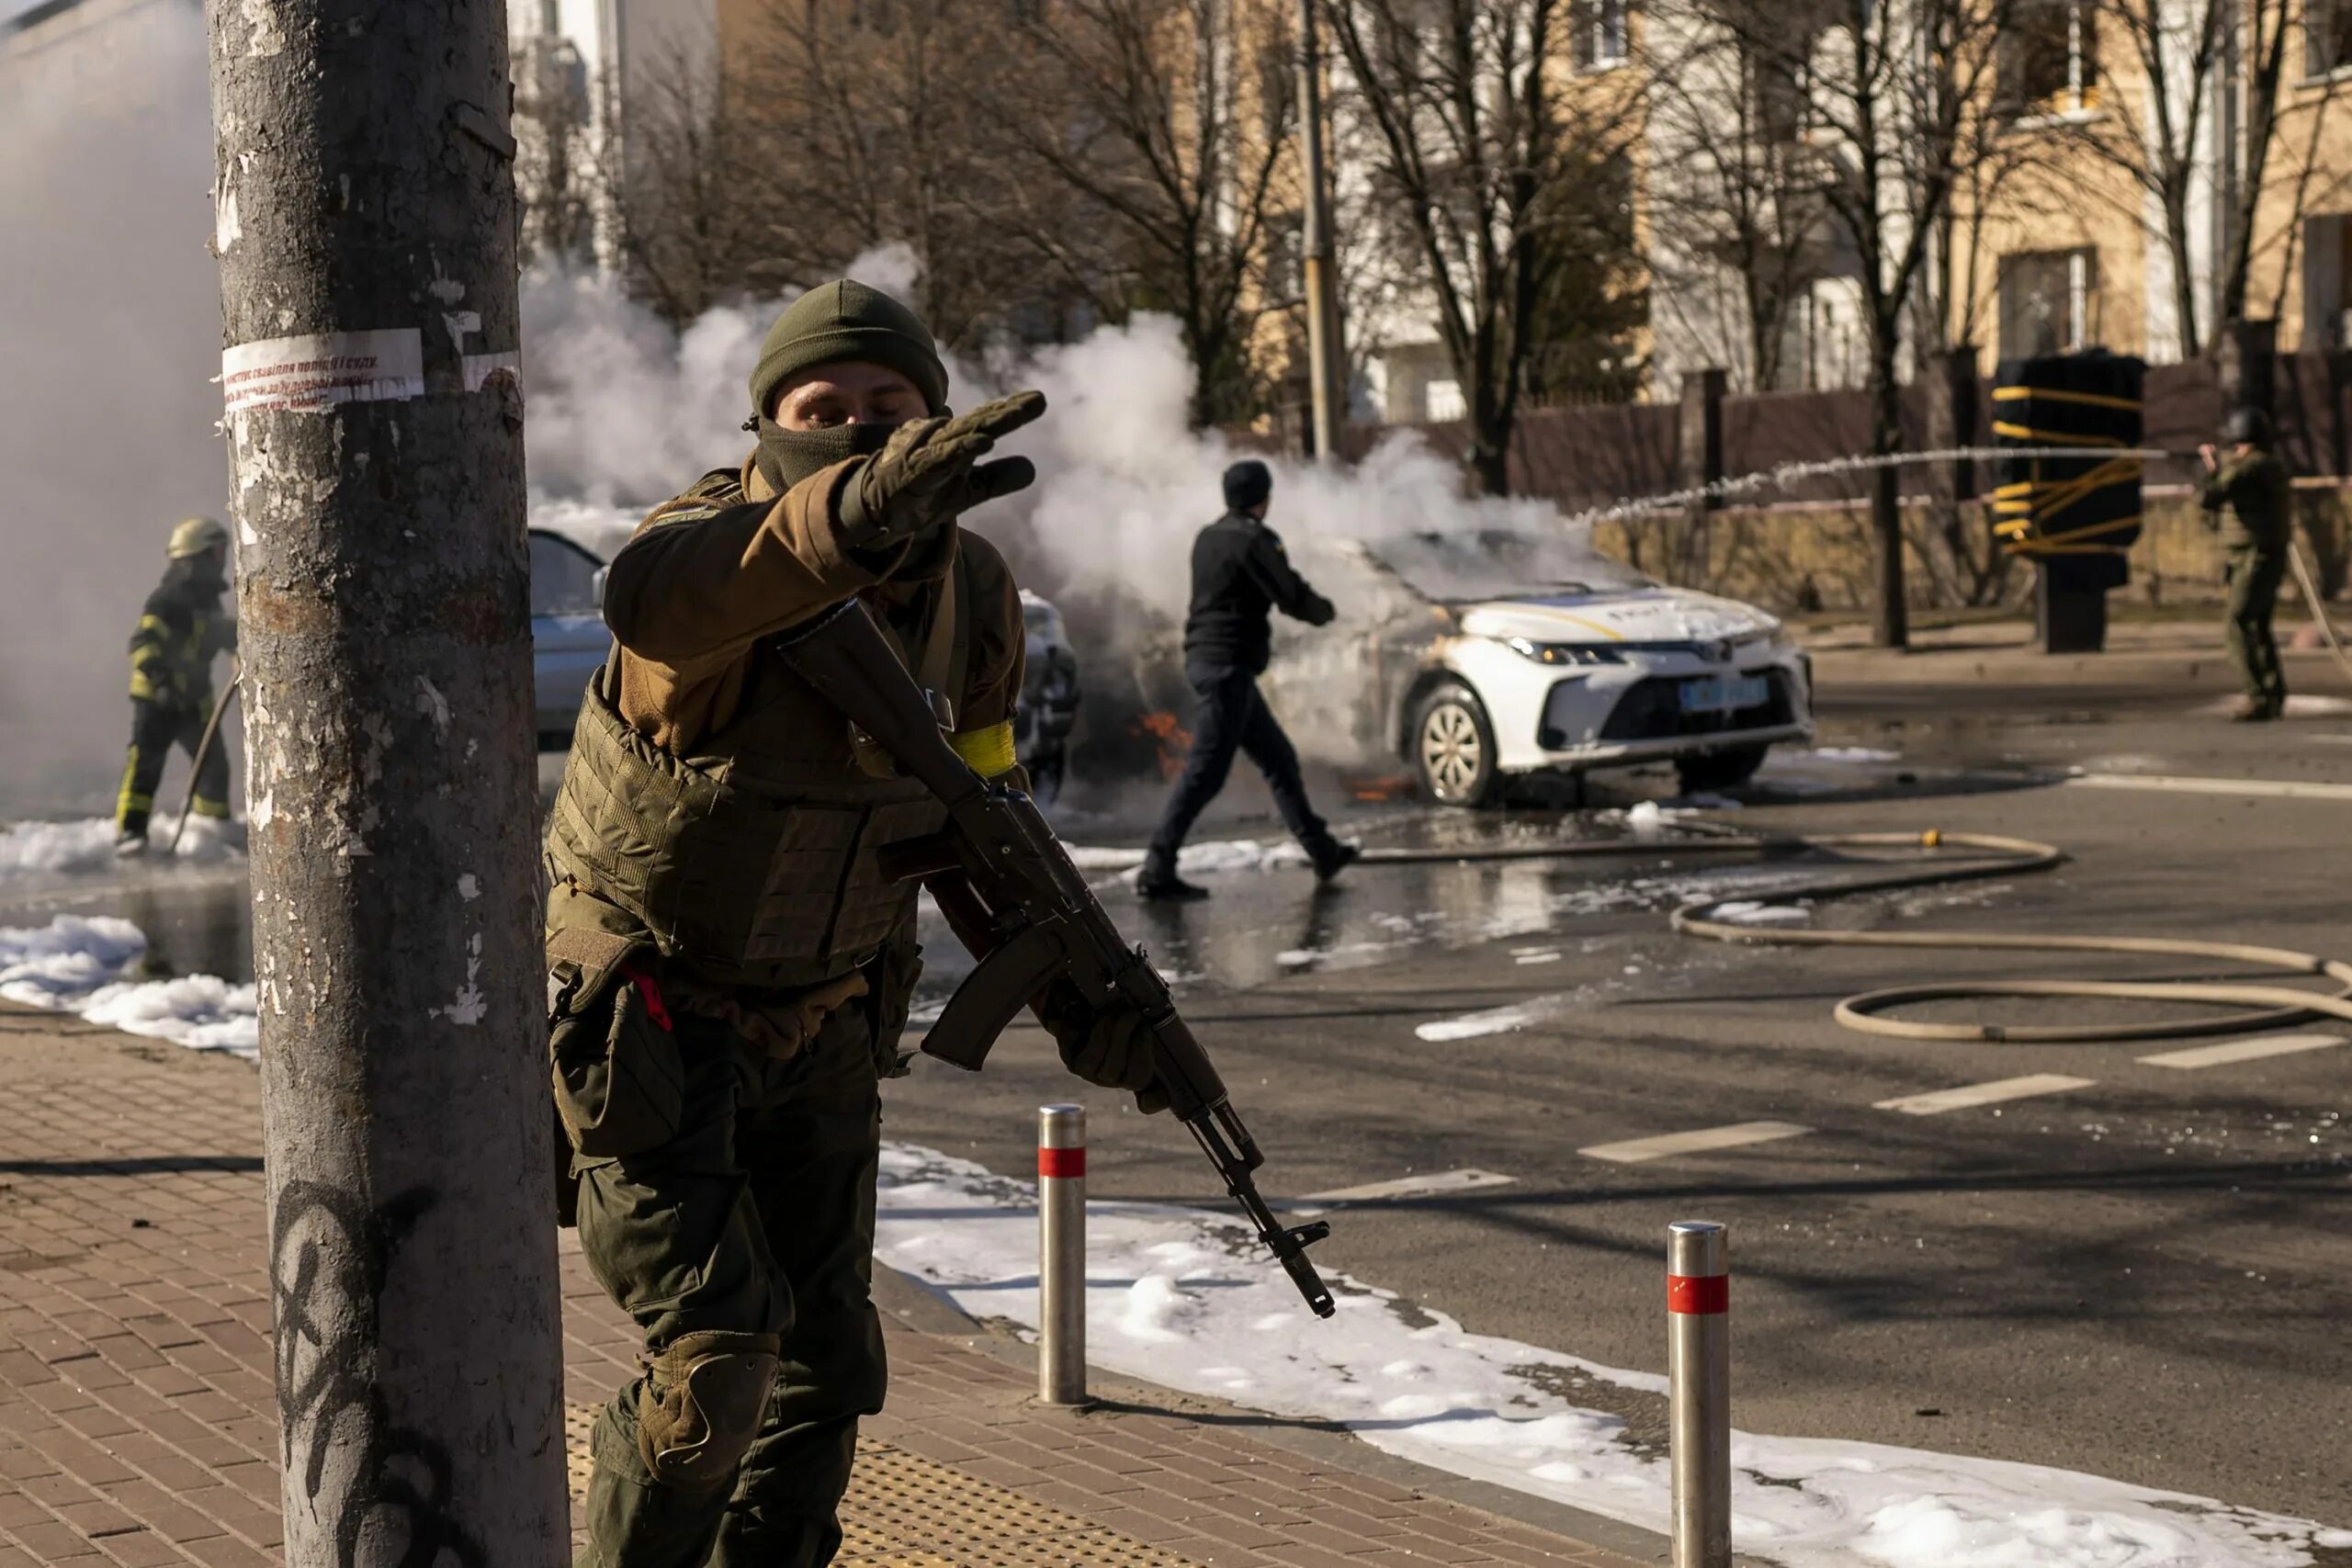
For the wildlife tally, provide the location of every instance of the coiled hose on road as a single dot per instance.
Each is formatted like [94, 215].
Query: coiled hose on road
[2261, 1006]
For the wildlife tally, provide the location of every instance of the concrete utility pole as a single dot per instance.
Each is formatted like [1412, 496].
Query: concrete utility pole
[365, 222]
[1328, 381]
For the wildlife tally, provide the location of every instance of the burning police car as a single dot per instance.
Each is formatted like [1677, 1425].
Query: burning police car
[1495, 652]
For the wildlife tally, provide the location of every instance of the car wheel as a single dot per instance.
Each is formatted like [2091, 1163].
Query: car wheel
[1719, 770]
[1454, 747]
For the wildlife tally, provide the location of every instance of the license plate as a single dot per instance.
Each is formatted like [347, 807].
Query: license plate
[1719, 693]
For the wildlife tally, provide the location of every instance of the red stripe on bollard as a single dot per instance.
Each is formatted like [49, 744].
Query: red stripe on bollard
[1698, 1293]
[1061, 1162]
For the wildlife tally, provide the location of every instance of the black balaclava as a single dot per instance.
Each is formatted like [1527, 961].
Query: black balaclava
[834, 322]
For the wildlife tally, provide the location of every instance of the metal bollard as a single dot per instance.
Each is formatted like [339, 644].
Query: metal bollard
[1061, 1253]
[1698, 1365]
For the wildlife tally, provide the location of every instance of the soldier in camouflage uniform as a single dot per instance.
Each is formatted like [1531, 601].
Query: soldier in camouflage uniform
[729, 974]
[181, 629]
[2252, 487]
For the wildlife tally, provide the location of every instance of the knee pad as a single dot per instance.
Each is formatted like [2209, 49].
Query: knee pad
[701, 1405]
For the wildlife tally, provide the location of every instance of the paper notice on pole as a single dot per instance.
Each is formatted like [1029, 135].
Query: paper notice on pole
[481, 368]
[316, 370]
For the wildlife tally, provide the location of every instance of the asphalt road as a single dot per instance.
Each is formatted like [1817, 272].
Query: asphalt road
[2146, 1275]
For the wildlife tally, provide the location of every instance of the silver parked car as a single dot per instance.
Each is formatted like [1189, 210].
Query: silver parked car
[568, 634]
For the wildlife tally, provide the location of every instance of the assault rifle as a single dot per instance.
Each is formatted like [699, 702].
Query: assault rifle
[1012, 897]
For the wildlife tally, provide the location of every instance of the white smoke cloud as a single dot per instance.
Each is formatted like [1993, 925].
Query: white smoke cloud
[109, 312]
[110, 307]
[624, 412]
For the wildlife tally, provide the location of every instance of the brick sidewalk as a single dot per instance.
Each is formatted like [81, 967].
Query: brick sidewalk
[137, 1416]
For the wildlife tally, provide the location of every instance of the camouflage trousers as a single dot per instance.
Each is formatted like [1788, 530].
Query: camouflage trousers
[756, 1218]
[2252, 577]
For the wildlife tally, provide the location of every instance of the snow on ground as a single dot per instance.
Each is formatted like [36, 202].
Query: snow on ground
[87, 844]
[1207, 858]
[86, 965]
[1185, 1299]
[1501, 1020]
[1755, 912]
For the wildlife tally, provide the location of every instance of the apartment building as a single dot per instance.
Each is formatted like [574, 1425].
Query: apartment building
[2101, 196]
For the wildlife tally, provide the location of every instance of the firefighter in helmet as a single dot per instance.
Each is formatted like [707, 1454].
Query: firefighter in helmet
[181, 629]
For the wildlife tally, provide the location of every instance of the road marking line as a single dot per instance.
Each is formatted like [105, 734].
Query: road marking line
[1635, 1151]
[2284, 788]
[1437, 1181]
[1991, 1093]
[2252, 1050]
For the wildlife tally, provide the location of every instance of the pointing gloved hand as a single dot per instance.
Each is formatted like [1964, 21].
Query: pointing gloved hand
[1111, 1047]
[930, 471]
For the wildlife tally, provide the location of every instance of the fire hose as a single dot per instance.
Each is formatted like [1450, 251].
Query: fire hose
[196, 762]
[1984, 855]
[2310, 585]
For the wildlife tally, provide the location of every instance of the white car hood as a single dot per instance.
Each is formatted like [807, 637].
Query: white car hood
[1641, 614]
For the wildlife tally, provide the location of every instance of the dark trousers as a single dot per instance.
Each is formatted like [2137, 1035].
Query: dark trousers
[2252, 577]
[153, 730]
[1233, 718]
[758, 1218]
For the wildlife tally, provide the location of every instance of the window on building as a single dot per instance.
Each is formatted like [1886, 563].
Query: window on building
[2048, 302]
[2049, 59]
[1442, 402]
[2327, 36]
[2328, 282]
[1602, 36]
[1782, 89]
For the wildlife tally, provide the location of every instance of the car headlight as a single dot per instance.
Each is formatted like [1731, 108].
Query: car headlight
[1563, 652]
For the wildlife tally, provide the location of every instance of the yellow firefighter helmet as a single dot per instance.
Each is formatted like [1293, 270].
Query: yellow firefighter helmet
[196, 535]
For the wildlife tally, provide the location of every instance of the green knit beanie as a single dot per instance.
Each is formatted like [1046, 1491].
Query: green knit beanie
[847, 320]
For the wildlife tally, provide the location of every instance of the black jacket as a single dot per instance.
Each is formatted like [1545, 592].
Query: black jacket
[1239, 574]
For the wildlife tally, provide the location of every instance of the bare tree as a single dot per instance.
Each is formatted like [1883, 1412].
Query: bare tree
[1161, 127]
[831, 131]
[2184, 54]
[1900, 95]
[1487, 166]
[696, 188]
[559, 169]
[879, 136]
[1740, 233]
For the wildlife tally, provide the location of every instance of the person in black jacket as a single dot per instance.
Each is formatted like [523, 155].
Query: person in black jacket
[1239, 575]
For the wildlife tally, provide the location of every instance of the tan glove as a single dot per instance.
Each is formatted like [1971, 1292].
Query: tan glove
[1111, 1047]
[931, 472]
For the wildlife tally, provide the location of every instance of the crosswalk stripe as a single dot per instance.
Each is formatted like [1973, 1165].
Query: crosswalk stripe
[1435, 1182]
[1634, 1151]
[1992, 1093]
[2288, 789]
[2252, 1050]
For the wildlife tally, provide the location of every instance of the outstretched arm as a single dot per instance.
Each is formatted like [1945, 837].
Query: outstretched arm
[700, 582]
[1269, 564]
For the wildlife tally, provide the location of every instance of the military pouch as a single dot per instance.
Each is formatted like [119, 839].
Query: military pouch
[619, 1077]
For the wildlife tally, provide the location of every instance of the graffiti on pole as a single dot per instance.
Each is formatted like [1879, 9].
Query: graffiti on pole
[329, 1260]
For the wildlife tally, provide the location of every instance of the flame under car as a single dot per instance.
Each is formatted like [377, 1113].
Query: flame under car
[1481, 654]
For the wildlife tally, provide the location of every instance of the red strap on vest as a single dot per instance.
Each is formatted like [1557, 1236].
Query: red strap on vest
[651, 989]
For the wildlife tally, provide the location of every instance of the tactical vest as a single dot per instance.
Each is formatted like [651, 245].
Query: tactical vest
[753, 858]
